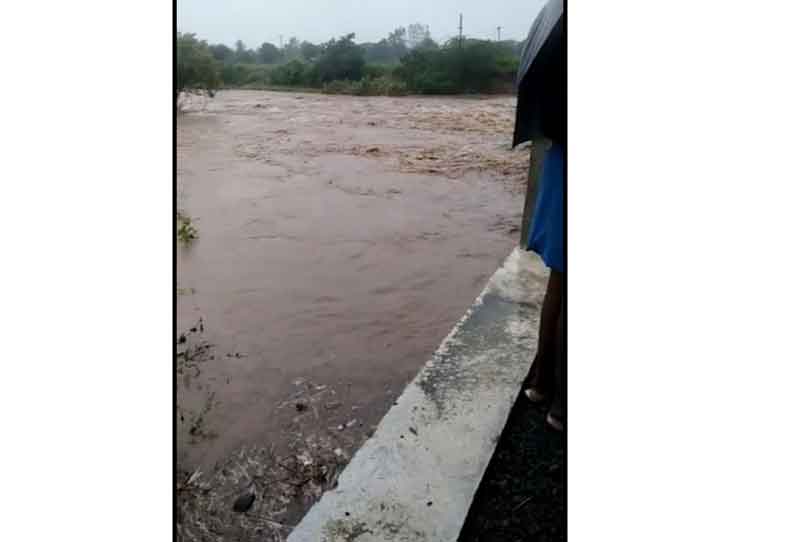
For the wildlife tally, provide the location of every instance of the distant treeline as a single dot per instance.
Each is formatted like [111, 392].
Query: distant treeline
[407, 61]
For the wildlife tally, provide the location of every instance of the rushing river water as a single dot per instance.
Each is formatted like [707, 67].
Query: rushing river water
[339, 240]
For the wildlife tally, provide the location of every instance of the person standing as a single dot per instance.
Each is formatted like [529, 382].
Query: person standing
[541, 117]
[546, 238]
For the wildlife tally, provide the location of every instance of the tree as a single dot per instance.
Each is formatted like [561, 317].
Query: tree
[479, 66]
[396, 40]
[222, 53]
[341, 59]
[196, 68]
[242, 54]
[417, 33]
[310, 51]
[293, 73]
[268, 53]
[388, 50]
[430, 72]
[292, 50]
[378, 53]
[427, 44]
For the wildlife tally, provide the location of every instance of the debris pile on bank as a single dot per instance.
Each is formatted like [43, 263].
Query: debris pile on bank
[253, 494]
[259, 493]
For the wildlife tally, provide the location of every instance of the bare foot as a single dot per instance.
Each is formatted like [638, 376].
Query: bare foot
[555, 418]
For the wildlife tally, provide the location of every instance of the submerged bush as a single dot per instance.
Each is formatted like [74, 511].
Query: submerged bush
[381, 86]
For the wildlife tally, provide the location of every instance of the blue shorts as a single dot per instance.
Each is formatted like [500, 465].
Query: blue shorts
[546, 232]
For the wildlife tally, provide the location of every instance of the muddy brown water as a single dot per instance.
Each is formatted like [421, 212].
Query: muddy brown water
[340, 239]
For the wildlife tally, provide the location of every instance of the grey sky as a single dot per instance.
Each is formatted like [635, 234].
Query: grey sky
[256, 21]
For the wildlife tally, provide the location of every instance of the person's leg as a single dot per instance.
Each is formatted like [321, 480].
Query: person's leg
[540, 382]
[556, 414]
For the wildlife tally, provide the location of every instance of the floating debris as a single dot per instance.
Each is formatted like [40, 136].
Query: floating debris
[305, 459]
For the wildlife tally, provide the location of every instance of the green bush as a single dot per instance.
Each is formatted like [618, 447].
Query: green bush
[257, 75]
[478, 66]
[341, 59]
[374, 71]
[337, 87]
[237, 75]
[385, 86]
[436, 83]
[196, 68]
[295, 74]
[339, 66]
[381, 86]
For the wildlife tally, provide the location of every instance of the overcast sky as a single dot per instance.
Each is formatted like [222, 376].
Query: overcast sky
[256, 21]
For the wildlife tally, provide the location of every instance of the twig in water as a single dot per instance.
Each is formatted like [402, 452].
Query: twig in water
[277, 523]
[293, 484]
[285, 467]
[520, 506]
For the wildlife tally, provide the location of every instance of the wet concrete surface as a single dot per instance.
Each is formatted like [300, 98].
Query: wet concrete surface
[339, 240]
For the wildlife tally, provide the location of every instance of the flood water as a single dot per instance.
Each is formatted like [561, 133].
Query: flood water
[339, 240]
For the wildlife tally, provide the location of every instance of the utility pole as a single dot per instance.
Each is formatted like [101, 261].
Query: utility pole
[281, 41]
[498, 33]
[462, 60]
[460, 29]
